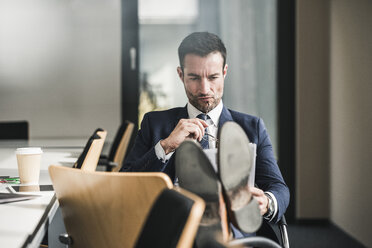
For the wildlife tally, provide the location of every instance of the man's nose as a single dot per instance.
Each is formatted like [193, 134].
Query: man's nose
[204, 86]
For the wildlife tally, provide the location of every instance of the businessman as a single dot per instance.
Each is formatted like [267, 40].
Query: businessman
[202, 70]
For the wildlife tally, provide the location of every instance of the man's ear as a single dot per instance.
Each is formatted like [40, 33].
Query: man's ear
[225, 71]
[180, 73]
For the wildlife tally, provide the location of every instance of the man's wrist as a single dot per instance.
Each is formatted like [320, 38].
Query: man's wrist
[267, 205]
[160, 153]
[270, 208]
[166, 147]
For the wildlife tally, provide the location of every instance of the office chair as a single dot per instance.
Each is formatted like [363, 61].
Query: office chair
[255, 241]
[276, 232]
[266, 237]
[105, 209]
[114, 160]
[88, 159]
[14, 130]
[173, 220]
[282, 224]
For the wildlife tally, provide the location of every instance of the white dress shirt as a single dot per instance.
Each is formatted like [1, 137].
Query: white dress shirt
[214, 116]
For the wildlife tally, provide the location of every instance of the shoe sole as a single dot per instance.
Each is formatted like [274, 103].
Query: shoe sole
[196, 174]
[235, 162]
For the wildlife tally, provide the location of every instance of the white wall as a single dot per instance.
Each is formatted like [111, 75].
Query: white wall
[334, 117]
[312, 109]
[60, 65]
[351, 117]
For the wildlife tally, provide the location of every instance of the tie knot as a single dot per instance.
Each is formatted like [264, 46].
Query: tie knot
[202, 116]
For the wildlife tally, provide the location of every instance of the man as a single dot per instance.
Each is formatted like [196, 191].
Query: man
[202, 71]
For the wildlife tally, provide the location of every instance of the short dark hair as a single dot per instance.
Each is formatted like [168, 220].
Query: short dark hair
[201, 44]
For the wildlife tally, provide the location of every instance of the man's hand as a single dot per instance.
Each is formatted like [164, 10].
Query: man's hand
[261, 198]
[186, 128]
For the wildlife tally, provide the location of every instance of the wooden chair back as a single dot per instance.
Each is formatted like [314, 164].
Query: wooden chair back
[91, 159]
[173, 220]
[105, 209]
[121, 149]
[193, 221]
[93, 148]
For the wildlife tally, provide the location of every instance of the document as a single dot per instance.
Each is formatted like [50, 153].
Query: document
[10, 197]
[252, 174]
[212, 155]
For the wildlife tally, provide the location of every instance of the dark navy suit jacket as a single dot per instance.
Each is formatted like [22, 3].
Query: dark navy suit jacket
[159, 124]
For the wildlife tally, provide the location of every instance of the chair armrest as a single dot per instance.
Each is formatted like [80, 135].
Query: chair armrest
[106, 163]
[103, 157]
[283, 221]
[283, 231]
[65, 239]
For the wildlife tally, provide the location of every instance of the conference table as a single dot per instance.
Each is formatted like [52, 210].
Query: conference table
[25, 223]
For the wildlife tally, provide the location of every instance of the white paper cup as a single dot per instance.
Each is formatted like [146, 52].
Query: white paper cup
[29, 160]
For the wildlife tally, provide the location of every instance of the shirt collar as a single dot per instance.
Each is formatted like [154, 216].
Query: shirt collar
[214, 114]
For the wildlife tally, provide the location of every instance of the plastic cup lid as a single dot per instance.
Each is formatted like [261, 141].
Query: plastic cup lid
[29, 150]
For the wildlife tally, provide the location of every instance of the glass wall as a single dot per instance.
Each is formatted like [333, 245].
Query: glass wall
[248, 29]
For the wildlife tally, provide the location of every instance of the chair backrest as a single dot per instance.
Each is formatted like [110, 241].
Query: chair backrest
[10, 130]
[173, 220]
[88, 159]
[92, 157]
[105, 209]
[120, 145]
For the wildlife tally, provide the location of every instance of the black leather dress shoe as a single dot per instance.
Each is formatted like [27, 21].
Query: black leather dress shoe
[196, 174]
[235, 162]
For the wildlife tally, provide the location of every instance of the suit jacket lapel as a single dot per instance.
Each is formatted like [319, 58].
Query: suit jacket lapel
[225, 116]
[182, 114]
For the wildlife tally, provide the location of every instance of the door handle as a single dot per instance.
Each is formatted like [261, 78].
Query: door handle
[133, 58]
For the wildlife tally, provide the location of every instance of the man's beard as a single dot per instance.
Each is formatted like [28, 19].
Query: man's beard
[204, 107]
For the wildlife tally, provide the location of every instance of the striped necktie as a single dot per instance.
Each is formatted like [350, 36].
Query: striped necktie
[205, 140]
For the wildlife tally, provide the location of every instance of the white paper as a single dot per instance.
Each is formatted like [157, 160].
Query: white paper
[252, 174]
[212, 155]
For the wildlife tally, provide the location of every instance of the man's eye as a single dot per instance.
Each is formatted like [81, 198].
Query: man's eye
[213, 78]
[193, 78]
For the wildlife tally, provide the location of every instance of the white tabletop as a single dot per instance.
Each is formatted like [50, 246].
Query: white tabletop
[44, 143]
[21, 221]
[66, 157]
